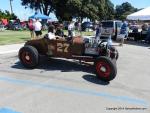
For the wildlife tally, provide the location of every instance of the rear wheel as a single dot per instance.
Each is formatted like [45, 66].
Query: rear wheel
[105, 69]
[28, 56]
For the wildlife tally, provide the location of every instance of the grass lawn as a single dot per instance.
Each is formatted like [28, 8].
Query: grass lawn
[13, 37]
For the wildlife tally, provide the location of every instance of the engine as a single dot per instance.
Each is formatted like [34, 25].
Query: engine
[91, 46]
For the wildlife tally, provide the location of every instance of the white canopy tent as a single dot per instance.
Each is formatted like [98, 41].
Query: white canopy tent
[143, 14]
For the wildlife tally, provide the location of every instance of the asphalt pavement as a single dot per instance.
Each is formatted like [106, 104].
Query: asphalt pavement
[5, 49]
[65, 86]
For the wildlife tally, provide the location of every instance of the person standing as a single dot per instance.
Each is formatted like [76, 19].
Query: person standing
[79, 27]
[123, 32]
[38, 28]
[98, 32]
[31, 28]
[148, 35]
[71, 30]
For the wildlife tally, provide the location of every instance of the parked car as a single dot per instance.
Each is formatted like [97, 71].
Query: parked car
[14, 26]
[101, 53]
[87, 26]
[24, 25]
[2, 27]
[111, 27]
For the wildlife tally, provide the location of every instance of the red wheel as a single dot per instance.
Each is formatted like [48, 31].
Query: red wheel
[105, 69]
[28, 56]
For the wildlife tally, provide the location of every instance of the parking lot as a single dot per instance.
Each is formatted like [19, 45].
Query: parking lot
[65, 86]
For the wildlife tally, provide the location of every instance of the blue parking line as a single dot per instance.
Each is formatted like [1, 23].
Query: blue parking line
[7, 110]
[77, 91]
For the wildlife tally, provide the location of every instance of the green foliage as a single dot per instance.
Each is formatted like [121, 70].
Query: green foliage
[45, 6]
[92, 9]
[6, 15]
[105, 9]
[68, 9]
[123, 10]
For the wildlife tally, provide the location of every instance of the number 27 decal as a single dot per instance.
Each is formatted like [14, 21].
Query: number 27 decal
[62, 47]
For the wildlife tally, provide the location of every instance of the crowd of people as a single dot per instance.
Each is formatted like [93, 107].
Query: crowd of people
[140, 30]
[35, 28]
[148, 35]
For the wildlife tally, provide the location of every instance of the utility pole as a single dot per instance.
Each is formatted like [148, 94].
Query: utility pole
[11, 9]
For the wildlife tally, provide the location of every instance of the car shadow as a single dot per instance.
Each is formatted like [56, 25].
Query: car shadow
[18, 65]
[50, 64]
[94, 79]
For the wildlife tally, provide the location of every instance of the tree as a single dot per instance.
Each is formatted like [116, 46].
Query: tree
[7, 15]
[92, 9]
[105, 9]
[110, 11]
[68, 9]
[123, 10]
[89, 9]
[44, 6]
[62, 9]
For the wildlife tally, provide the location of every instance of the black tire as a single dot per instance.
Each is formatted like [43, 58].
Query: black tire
[28, 56]
[105, 69]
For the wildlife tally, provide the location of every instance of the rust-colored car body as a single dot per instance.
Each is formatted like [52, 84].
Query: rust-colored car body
[77, 48]
[62, 48]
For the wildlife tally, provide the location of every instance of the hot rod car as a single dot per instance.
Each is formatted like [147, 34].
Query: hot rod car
[80, 48]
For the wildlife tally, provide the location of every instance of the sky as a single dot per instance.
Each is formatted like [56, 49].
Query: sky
[136, 3]
[19, 10]
[23, 13]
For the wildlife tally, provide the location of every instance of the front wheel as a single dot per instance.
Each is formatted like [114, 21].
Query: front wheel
[28, 56]
[105, 69]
